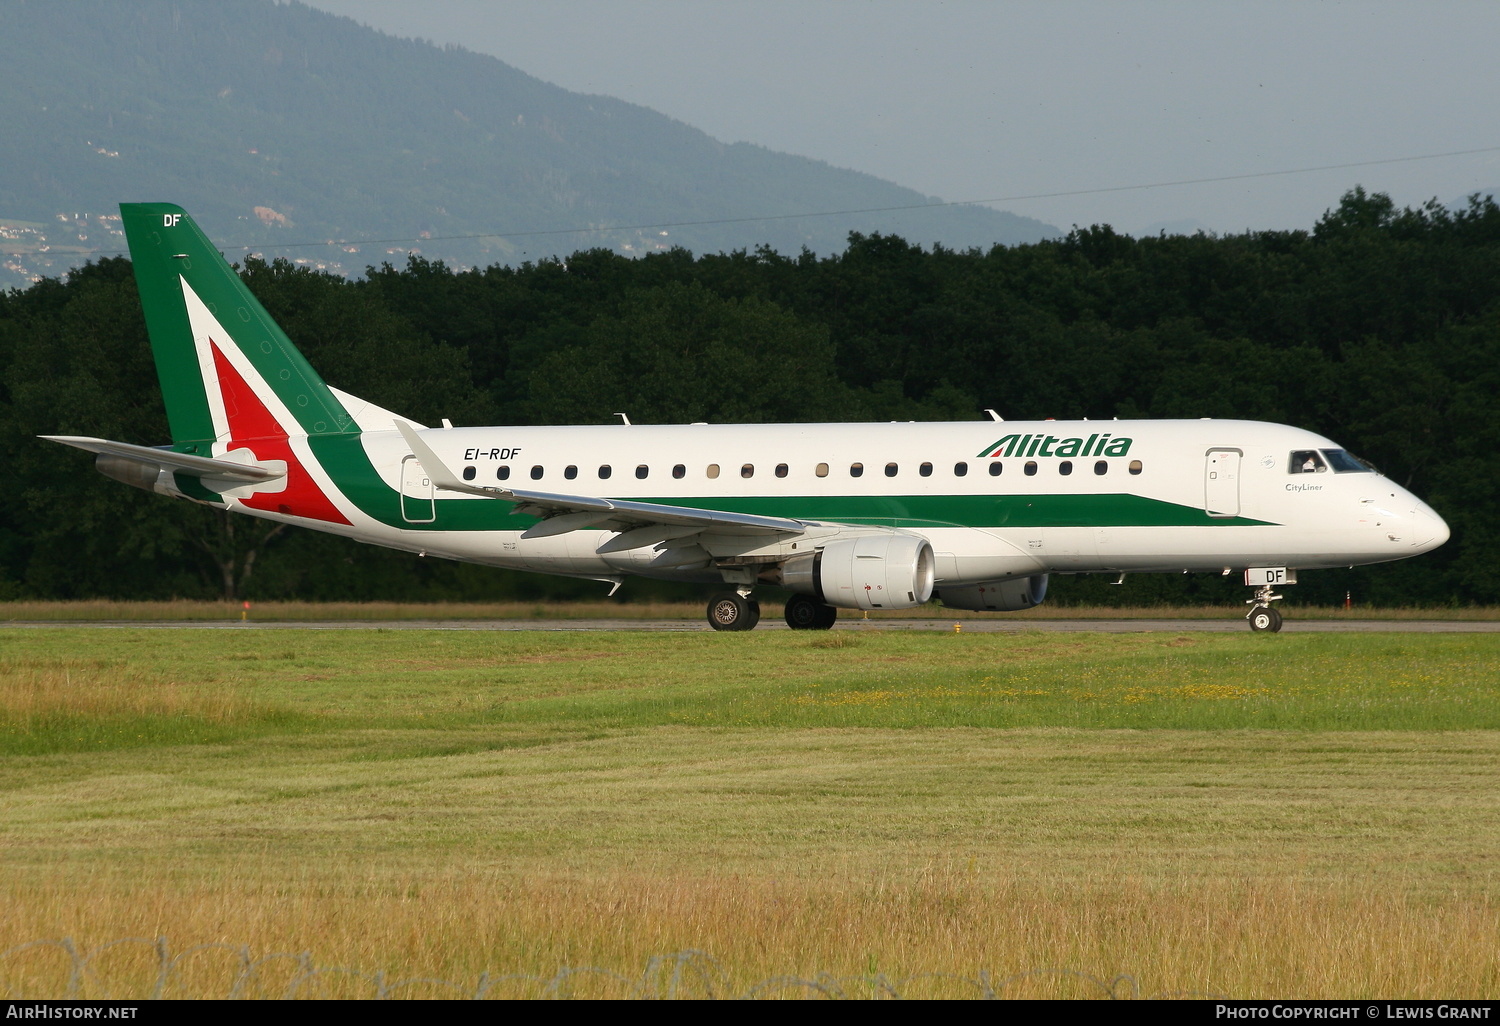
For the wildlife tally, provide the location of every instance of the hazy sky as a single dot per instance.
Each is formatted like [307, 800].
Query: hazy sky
[979, 100]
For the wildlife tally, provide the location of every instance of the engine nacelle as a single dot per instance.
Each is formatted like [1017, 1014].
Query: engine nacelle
[1000, 596]
[883, 571]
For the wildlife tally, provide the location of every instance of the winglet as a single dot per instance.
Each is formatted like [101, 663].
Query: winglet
[436, 469]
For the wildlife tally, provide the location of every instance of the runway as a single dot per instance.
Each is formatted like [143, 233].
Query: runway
[1144, 626]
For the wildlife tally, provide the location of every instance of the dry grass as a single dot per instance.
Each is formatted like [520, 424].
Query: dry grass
[190, 610]
[1033, 938]
[38, 690]
[187, 610]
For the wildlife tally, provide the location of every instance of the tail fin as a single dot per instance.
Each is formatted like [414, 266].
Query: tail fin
[235, 387]
[228, 373]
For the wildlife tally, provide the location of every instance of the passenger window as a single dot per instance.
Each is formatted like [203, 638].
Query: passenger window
[822, 470]
[891, 469]
[781, 469]
[536, 473]
[1308, 461]
[960, 469]
[1030, 468]
[748, 470]
[1101, 468]
[679, 472]
[713, 471]
[1065, 467]
[925, 470]
[642, 471]
[995, 468]
[856, 469]
[604, 472]
[502, 474]
[469, 473]
[570, 472]
[1135, 466]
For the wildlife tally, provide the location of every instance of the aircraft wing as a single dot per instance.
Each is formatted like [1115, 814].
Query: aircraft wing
[198, 466]
[562, 513]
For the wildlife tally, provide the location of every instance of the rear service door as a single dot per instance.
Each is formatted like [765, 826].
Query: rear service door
[416, 493]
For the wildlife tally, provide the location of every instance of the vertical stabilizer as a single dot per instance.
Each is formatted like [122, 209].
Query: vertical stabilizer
[227, 371]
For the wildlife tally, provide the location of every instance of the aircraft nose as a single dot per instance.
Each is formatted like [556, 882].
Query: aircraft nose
[1430, 529]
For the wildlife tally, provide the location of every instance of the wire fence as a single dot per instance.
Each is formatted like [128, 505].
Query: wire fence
[154, 971]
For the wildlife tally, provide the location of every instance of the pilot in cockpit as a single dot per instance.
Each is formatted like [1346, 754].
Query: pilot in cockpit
[1308, 461]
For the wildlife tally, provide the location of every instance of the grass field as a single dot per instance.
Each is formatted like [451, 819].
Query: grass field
[1311, 815]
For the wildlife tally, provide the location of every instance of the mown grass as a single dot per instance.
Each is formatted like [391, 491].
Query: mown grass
[82, 690]
[189, 610]
[1300, 814]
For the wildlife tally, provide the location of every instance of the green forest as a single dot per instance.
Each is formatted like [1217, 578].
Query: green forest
[1380, 328]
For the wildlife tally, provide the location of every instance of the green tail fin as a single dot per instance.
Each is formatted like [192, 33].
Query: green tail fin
[198, 310]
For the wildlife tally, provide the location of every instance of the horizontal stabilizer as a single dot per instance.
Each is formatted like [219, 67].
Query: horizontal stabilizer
[181, 462]
[619, 514]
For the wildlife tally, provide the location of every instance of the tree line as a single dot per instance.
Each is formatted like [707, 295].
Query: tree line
[1379, 328]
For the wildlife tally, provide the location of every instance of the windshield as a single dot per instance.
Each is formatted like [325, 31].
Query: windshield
[1346, 462]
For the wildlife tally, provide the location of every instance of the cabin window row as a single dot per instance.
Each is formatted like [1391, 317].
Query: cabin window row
[747, 470]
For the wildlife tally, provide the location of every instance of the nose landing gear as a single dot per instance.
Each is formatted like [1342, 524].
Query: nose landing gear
[1263, 619]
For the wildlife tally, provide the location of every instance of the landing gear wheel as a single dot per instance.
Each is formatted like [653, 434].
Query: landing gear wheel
[808, 614]
[1265, 620]
[730, 611]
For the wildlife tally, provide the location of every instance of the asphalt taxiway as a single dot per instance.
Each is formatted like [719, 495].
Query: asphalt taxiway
[1291, 626]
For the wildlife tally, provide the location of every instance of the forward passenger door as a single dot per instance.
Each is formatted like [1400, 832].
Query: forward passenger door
[1221, 483]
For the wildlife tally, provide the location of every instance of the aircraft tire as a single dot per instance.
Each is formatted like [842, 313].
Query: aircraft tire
[827, 615]
[730, 611]
[1265, 620]
[802, 613]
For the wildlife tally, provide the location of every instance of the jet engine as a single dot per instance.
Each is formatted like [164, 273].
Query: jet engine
[883, 571]
[1001, 596]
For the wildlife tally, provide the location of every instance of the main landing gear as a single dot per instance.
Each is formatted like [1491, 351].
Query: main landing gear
[1263, 619]
[734, 611]
[731, 611]
[804, 613]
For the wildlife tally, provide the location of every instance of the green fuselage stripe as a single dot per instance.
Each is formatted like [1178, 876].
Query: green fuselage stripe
[344, 458]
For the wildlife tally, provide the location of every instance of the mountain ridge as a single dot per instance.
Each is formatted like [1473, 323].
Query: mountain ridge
[277, 123]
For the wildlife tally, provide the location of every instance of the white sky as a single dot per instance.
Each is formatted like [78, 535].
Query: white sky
[975, 99]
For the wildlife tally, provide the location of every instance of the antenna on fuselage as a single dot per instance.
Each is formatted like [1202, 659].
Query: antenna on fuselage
[624, 419]
[995, 416]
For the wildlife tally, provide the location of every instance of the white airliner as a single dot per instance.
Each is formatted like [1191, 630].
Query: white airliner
[845, 516]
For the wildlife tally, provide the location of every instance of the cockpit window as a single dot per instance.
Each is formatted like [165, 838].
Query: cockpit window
[1346, 462]
[1308, 461]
